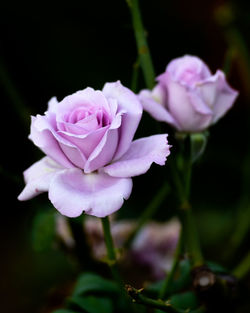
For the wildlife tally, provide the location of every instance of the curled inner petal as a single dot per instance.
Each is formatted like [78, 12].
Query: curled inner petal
[188, 70]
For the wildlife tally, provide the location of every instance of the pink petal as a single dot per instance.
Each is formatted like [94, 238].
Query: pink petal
[128, 102]
[52, 104]
[38, 177]
[73, 154]
[154, 105]
[218, 94]
[141, 154]
[187, 70]
[105, 150]
[44, 135]
[85, 98]
[98, 194]
[43, 138]
[87, 142]
[187, 108]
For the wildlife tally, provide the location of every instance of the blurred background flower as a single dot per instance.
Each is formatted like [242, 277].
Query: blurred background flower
[151, 250]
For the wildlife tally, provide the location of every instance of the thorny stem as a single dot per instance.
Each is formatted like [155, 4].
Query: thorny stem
[183, 185]
[142, 45]
[164, 306]
[188, 224]
[135, 74]
[108, 239]
[112, 261]
[110, 249]
[137, 297]
[187, 218]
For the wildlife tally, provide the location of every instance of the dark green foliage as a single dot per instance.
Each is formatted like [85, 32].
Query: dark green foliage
[92, 294]
[92, 283]
[43, 231]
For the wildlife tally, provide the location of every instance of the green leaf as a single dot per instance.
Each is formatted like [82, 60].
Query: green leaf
[92, 304]
[43, 230]
[186, 300]
[181, 281]
[182, 277]
[92, 283]
[154, 288]
[216, 268]
[198, 145]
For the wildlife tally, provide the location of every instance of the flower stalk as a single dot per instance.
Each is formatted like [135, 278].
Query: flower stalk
[112, 262]
[137, 297]
[163, 306]
[142, 45]
[186, 215]
[188, 224]
[111, 255]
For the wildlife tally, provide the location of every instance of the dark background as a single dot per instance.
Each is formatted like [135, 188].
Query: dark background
[57, 49]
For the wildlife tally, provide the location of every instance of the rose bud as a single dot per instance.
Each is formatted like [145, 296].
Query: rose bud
[188, 96]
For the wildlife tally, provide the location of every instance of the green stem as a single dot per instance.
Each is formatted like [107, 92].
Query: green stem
[188, 175]
[169, 278]
[111, 255]
[191, 235]
[111, 251]
[137, 297]
[186, 215]
[176, 179]
[142, 45]
[108, 240]
[161, 305]
[243, 268]
[112, 262]
[149, 212]
[135, 74]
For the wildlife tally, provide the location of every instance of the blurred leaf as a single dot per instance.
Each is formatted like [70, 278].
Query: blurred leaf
[183, 277]
[154, 288]
[184, 300]
[182, 280]
[214, 226]
[43, 230]
[216, 268]
[90, 282]
[93, 304]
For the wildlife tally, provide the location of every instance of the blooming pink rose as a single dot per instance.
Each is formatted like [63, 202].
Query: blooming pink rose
[91, 157]
[188, 96]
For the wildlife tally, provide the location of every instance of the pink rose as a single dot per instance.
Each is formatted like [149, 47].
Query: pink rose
[188, 96]
[91, 157]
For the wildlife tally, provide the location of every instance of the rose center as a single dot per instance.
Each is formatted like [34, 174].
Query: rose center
[84, 119]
